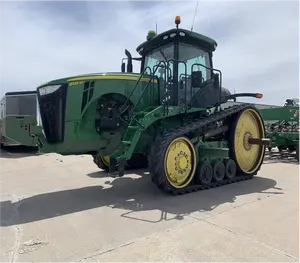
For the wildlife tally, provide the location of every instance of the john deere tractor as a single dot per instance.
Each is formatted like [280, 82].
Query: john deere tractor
[171, 117]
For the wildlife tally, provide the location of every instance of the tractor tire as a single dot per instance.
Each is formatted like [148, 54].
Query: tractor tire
[247, 157]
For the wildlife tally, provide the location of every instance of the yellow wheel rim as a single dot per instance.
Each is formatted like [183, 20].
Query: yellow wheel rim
[180, 162]
[105, 160]
[248, 156]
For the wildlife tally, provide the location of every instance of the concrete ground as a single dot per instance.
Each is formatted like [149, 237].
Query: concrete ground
[56, 208]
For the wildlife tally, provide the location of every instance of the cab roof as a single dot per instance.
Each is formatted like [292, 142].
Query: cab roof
[183, 35]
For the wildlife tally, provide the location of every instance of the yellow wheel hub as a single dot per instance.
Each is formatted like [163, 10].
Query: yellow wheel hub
[248, 156]
[180, 162]
[105, 160]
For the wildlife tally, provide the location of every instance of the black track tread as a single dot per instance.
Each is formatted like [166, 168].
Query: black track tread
[156, 160]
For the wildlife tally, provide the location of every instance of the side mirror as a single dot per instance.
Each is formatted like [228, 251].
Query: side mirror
[123, 67]
[196, 79]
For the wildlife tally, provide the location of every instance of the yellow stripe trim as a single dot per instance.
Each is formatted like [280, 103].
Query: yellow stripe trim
[110, 77]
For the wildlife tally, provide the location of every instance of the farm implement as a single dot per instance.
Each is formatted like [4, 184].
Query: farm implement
[282, 126]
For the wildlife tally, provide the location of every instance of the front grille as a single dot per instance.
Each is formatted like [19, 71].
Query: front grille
[52, 111]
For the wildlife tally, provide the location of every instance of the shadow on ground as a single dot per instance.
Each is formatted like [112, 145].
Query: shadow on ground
[18, 152]
[128, 194]
[280, 157]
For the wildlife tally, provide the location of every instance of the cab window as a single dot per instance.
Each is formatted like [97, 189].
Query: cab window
[193, 55]
[164, 54]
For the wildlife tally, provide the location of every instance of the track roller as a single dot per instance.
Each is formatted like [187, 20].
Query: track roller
[230, 169]
[204, 173]
[218, 171]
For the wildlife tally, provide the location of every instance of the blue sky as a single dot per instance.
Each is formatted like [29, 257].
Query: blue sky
[258, 41]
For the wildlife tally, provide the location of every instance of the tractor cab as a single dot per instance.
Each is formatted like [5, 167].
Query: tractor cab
[181, 61]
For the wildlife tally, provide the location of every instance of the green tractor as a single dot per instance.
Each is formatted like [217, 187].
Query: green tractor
[171, 117]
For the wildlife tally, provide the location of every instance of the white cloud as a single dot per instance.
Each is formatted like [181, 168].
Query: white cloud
[254, 38]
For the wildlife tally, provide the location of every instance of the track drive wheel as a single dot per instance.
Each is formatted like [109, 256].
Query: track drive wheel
[172, 163]
[248, 157]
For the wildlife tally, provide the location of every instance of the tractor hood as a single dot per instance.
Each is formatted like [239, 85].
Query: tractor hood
[93, 76]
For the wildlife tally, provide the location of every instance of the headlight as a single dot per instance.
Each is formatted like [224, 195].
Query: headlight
[48, 89]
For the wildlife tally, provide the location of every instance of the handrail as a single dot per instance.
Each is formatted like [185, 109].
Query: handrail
[151, 78]
[136, 84]
[185, 71]
[213, 69]
[164, 66]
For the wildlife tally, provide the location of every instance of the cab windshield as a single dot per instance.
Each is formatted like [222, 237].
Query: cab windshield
[177, 78]
[161, 54]
[188, 55]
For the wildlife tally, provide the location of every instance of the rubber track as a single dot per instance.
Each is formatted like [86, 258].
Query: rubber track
[163, 140]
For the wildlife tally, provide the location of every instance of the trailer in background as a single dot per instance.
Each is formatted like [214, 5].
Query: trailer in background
[16, 109]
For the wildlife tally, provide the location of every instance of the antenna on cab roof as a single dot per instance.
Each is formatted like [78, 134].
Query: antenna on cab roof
[195, 15]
